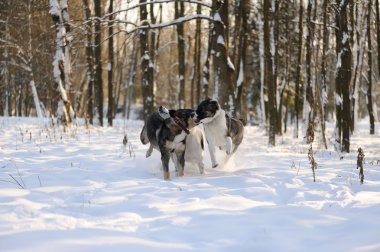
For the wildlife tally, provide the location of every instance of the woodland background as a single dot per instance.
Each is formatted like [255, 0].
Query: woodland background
[273, 63]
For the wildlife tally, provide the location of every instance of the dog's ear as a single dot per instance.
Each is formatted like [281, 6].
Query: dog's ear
[213, 105]
[172, 112]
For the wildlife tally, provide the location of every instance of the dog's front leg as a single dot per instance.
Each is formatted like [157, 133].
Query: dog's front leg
[201, 167]
[165, 164]
[165, 157]
[149, 151]
[228, 145]
[211, 149]
[180, 162]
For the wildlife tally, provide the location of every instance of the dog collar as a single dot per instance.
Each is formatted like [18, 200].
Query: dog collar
[180, 124]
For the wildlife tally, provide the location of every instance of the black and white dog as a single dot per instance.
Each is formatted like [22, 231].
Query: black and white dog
[166, 131]
[221, 130]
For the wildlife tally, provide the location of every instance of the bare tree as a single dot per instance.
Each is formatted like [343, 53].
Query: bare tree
[98, 64]
[90, 63]
[58, 11]
[298, 73]
[378, 33]
[146, 84]
[343, 78]
[309, 106]
[110, 68]
[268, 77]
[369, 89]
[240, 48]
[196, 76]
[223, 67]
[179, 12]
[323, 92]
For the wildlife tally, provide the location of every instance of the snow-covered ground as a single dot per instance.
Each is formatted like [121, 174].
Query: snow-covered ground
[82, 190]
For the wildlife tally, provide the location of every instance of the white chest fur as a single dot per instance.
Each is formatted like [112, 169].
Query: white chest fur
[177, 143]
[216, 129]
[194, 150]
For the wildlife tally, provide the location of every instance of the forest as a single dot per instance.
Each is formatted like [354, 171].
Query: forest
[273, 63]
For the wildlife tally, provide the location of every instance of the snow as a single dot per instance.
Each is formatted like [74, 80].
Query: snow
[217, 17]
[230, 64]
[54, 8]
[338, 100]
[339, 61]
[86, 191]
[345, 37]
[241, 74]
[220, 40]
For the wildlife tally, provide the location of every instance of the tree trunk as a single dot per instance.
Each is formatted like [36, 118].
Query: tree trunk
[268, 77]
[223, 67]
[206, 65]
[35, 97]
[240, 61]
[196, 78]
[153, 47]
[147, 86]
[274, 26]
[309, 106]
[19, 99]
[179, 12]
[323, 69]
[298, 72]
[65, 110]
[378, 34]
[285, 77]
[369, 90]
[68, 37]
[343, 78]
[90, 64]
[361, 35]
[262, 70]
[110, 67]
[98, 65]
[5, 75]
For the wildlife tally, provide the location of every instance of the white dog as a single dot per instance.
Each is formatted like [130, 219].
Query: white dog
[222, 131]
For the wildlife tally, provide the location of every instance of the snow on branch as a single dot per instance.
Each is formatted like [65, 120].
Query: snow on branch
[176, 21]
[165, 24]
[55, 8]
[154, 2]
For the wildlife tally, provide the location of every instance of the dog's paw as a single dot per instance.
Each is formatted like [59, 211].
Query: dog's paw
[148, 153]
[201, 168]
[229, 145]
[166, 175]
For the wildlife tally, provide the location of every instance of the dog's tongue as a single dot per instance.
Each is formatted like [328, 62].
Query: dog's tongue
[163, 112]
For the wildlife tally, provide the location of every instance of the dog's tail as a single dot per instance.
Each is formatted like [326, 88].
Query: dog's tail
[144, 135]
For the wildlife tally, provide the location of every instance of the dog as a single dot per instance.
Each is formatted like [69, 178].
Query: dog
[221, 130]
[194, 148]
[166, 131]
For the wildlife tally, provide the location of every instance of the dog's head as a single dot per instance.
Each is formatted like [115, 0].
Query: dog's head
[206, 111]
[177, 118]
[185, 115]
